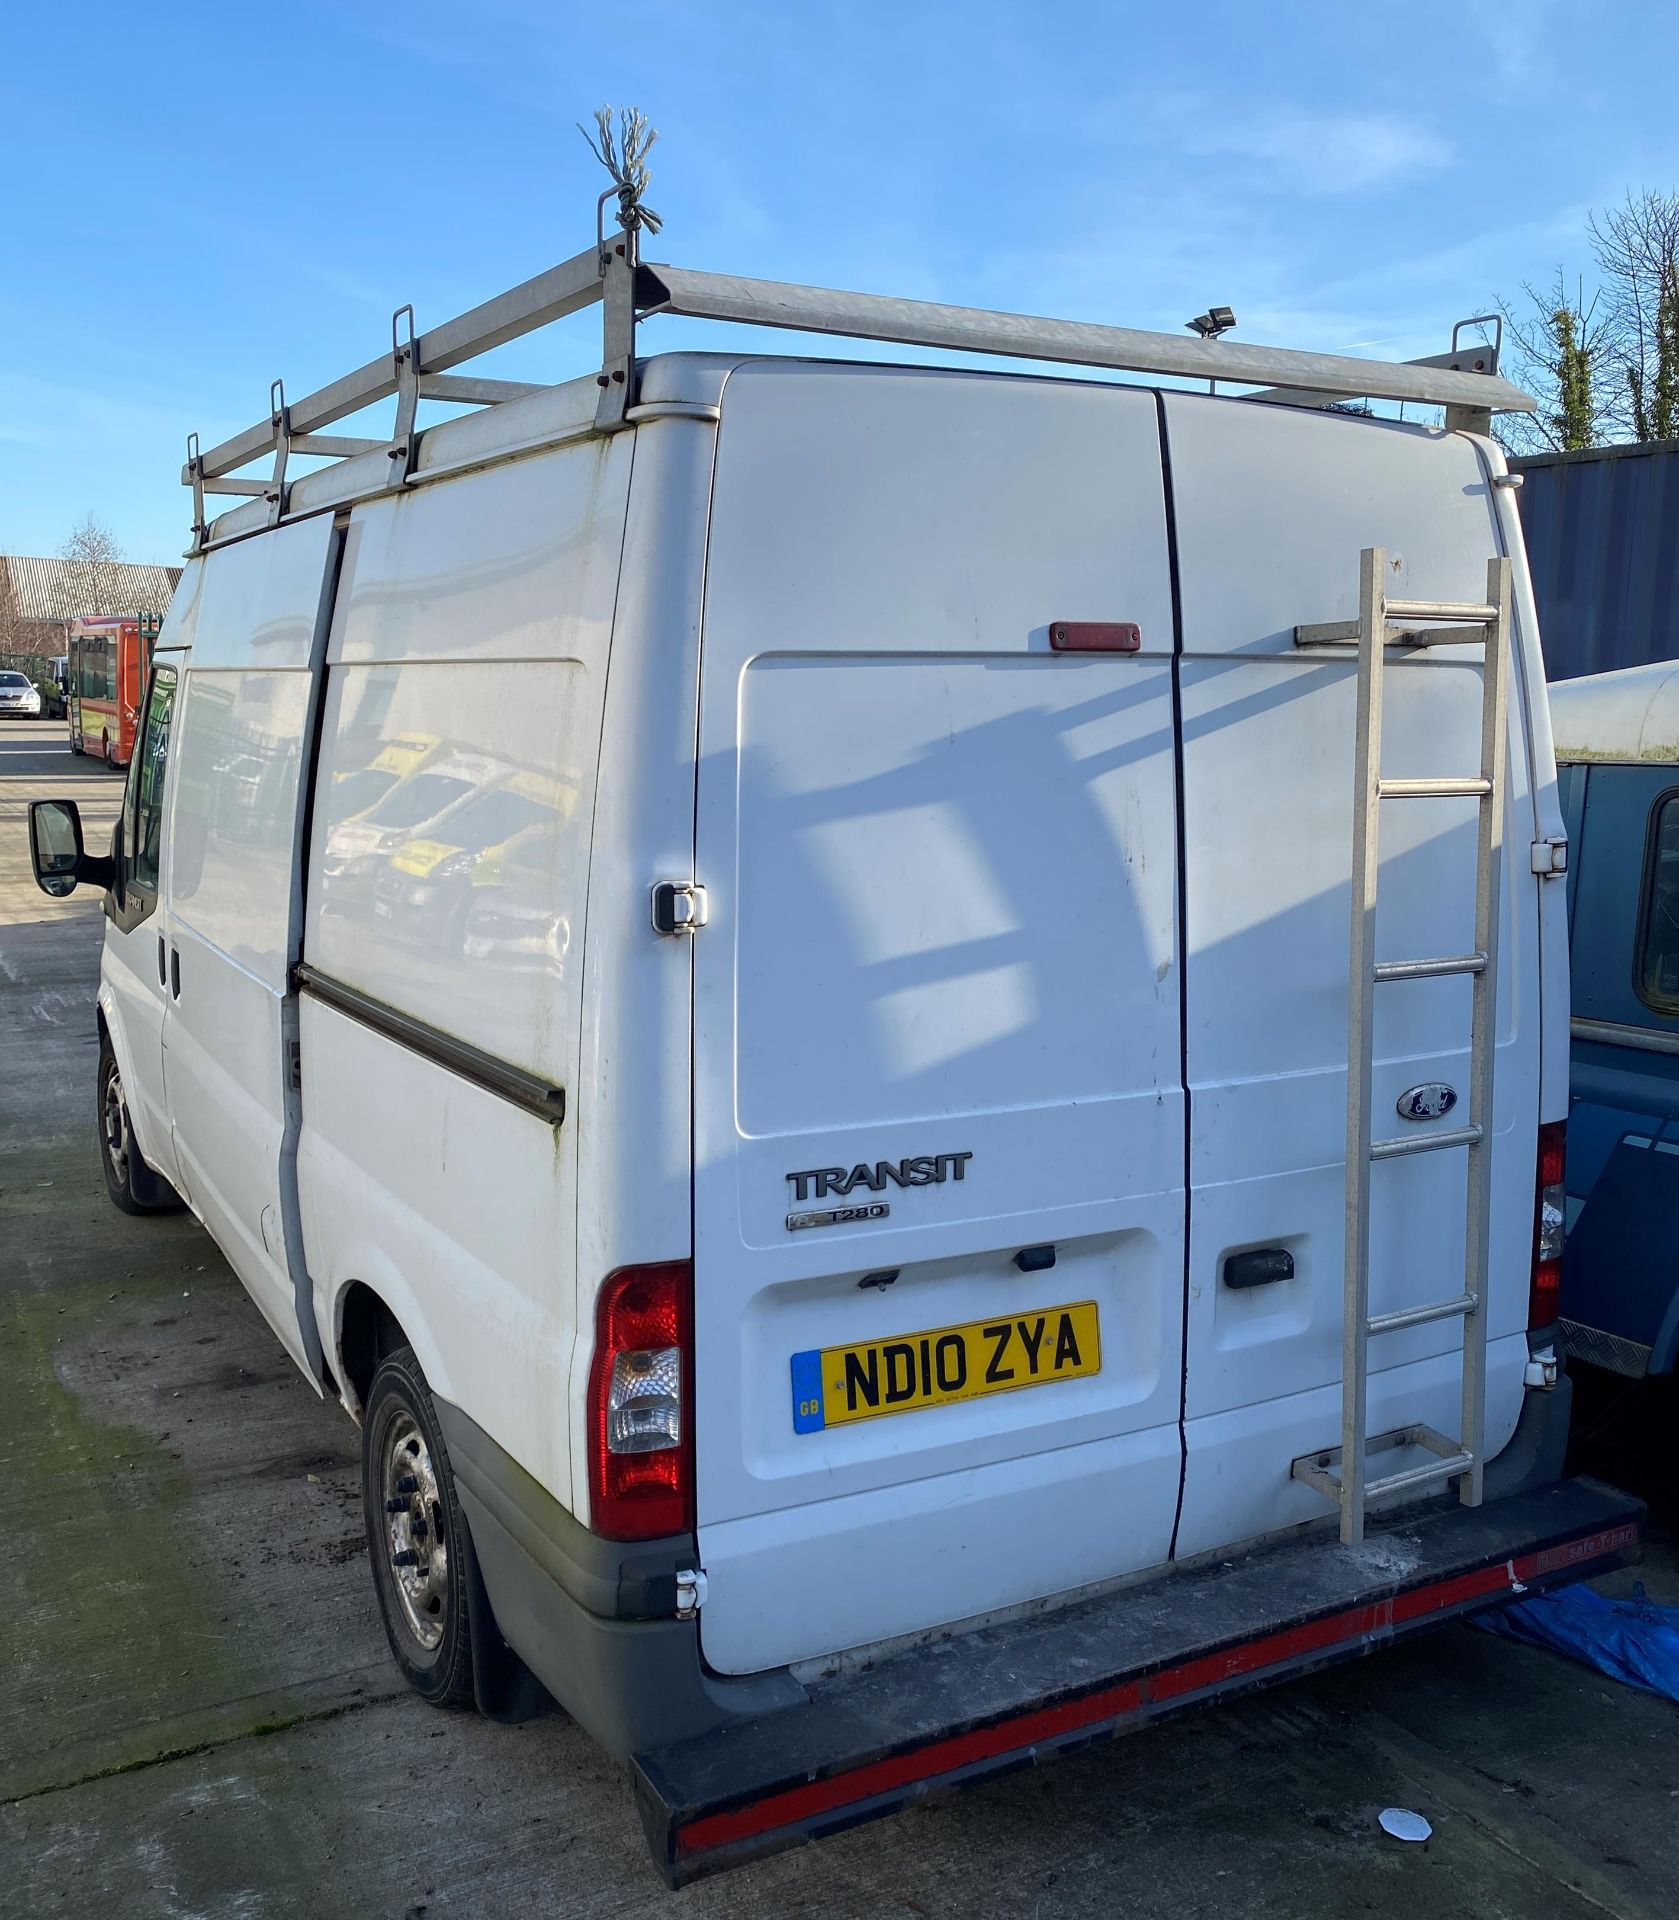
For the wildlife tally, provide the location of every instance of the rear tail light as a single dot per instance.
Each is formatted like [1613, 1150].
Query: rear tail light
[641, 1443]
[1549, 1217]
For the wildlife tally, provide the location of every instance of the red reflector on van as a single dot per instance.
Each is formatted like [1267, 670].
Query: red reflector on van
[641, 1441]
[1095, 636]
[1549, 1219]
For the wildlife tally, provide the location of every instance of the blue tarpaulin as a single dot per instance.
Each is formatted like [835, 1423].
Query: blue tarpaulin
[1632, 1640]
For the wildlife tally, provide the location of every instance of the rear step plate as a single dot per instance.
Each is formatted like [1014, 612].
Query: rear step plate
[976, 1704]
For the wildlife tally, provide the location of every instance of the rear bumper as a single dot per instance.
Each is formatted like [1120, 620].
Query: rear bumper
[960, 1709]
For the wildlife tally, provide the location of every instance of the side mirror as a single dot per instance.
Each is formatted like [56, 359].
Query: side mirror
[56, 851]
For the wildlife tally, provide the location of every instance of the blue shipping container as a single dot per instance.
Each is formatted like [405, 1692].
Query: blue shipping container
[1602, 530]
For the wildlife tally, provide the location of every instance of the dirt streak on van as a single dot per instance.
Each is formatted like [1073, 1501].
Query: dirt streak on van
[806, 1117]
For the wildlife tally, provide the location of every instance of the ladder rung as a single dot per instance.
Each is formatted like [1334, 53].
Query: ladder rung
[1421, 1316]
[1430, 969]
[1322, 1470]
[1425, 1142]
[1431, 789]
[1481, 612]
[1442, 1469]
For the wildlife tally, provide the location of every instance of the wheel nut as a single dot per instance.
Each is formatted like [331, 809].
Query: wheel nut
[396, 1506]
[405, 1559]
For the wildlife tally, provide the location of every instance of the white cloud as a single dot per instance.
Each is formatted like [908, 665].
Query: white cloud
[1521, 38]
[1305, 149]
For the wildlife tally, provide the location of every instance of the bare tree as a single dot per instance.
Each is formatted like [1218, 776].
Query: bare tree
[92, 572]
[1563, 350]
[1637, 249]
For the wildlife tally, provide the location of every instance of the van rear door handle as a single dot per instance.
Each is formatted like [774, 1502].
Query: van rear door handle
[1259, 1267]
[175, 972]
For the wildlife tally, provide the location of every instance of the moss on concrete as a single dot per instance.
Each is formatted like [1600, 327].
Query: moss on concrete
[105, 1615]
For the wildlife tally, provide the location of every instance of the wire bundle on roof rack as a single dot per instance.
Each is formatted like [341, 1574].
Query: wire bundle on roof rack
[624, 156]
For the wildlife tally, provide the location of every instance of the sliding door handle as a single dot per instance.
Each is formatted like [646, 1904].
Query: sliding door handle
[175, 972]
[162, 963]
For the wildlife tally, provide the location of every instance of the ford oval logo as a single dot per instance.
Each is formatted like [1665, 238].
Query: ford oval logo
[1426, 1102]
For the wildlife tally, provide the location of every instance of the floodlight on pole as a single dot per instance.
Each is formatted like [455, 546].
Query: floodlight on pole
[1210, 325]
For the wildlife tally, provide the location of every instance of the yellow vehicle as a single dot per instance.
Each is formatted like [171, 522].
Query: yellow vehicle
[425, 887]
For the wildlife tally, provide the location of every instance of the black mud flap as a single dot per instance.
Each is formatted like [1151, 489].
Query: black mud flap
[503, 1687]
[980, 1703]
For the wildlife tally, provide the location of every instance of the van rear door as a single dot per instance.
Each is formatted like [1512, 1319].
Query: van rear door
[938, 1120]
[1273, 506]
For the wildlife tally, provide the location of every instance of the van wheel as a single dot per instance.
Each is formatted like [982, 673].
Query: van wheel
[132, 1185]
[415, 1534]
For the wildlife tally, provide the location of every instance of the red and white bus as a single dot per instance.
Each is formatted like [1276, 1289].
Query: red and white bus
[110, 655]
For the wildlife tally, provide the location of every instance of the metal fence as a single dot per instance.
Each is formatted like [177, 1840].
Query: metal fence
[1602, 530]
[34, 666]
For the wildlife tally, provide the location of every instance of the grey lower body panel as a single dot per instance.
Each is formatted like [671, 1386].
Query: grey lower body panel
[1537, 1449]
[1012, 1695]
[594, 1619]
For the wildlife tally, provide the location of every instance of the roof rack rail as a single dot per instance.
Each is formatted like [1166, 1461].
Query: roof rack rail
[1465, 382]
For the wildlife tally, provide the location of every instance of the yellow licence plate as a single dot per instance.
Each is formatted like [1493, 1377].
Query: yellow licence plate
[832, 1386]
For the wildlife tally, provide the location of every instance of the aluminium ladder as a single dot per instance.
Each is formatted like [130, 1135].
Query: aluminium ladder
[1339, 1472]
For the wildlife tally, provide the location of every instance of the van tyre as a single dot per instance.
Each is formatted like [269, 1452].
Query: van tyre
[133, 1186]
[416, 1536]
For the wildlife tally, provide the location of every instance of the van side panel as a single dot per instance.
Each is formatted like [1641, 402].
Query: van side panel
[634, 1091]
[446, 880]
[1273, 507]
[940, 859]
[237, 756]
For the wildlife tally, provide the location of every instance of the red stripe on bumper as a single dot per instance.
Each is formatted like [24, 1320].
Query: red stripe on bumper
[956, 1751]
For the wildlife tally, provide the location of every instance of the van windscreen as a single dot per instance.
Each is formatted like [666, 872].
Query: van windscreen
[354, 793]
[422, 798]
[492, 817]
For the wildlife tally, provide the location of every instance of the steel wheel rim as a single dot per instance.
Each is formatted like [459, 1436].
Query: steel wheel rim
[115, 1127]
[416, 1548]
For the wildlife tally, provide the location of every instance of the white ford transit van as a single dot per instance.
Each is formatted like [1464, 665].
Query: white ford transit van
[749, 958]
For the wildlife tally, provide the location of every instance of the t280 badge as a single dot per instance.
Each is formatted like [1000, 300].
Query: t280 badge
[916, 1170]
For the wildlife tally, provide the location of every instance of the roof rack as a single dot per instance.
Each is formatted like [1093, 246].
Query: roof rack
[1465, 382]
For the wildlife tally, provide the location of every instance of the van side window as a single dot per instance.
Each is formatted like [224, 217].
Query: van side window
[145, 798]
[1658, 941]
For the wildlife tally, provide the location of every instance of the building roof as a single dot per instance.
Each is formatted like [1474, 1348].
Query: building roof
[54, 589]
[1629, 715]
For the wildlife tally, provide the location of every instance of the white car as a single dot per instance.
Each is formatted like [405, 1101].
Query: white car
[880, 1291]
[19, 697]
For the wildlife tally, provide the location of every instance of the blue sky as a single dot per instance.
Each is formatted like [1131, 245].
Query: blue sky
[200, 198]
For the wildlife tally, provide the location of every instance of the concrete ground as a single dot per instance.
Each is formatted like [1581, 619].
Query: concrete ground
[198, 1715]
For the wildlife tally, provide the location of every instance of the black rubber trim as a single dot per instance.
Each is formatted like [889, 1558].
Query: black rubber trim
[484, 1070]
[1180, 796]
[612, 1579]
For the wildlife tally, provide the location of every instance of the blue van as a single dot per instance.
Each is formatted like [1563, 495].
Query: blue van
[1617, 749]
